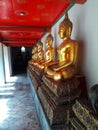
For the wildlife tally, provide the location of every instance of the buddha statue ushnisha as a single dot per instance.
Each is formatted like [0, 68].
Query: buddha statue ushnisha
[65, 68]
[48, 54]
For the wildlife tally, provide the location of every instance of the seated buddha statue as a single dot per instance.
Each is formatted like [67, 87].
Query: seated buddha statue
[40, 53]
[48, 54]
[65, 68]
[34, 55]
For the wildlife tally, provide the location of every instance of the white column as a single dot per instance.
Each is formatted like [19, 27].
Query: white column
[6, 62]
[2, 71]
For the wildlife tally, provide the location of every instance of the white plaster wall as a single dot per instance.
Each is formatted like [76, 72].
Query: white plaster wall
[85, 31]
[85, 21]
[10, 58]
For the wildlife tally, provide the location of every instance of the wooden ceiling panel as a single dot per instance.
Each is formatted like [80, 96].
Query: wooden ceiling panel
[32, 13]
[30, 19]
[22, 33]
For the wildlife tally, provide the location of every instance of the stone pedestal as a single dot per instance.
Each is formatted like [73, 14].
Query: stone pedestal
[84, 117]
[55, 114]
[61, 88]
[36, 80]
[57, 98]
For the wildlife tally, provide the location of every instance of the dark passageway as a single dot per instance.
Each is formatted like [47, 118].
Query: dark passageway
[20, 59]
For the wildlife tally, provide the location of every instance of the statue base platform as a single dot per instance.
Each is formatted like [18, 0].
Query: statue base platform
[57, 98]
[84, 117]
[56, 115]
[61, 88]
[36, 70]
[39, 72]
[36, 80]
[44, 121]
[64, 100]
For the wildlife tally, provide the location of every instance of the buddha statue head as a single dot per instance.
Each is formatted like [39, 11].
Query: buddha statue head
[65, 28]
[49, 40]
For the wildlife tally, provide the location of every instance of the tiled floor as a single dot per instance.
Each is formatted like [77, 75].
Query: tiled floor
[17, 110]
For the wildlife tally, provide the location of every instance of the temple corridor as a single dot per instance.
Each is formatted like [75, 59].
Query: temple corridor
[17, 109]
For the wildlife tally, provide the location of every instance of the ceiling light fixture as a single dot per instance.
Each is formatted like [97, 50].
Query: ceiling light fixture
[21, 12]
[23, 49]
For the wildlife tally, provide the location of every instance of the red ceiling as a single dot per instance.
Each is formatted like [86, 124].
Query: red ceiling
[23, 22]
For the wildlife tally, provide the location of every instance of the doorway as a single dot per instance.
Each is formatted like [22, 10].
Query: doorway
[19, 59]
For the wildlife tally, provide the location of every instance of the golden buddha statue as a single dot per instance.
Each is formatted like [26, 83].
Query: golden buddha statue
[48, 54]
[34, 55]
[65, 67]
[40, 53]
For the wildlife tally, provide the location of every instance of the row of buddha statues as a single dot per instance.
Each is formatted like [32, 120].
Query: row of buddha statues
[62, 101]
[65, 66]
